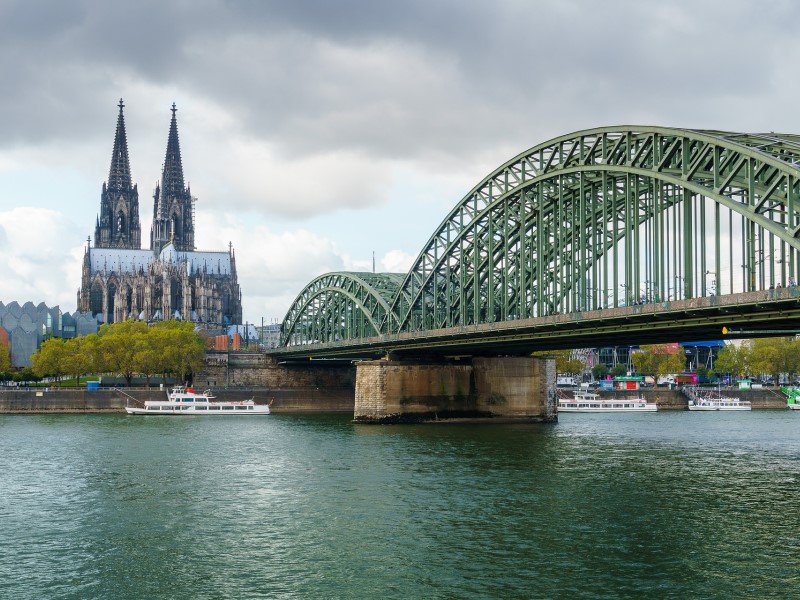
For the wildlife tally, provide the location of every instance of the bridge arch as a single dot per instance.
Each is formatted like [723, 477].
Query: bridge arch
[597, 219]
[340, 306]
[610, 216]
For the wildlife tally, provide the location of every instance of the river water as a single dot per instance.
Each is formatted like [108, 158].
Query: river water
[664, 505]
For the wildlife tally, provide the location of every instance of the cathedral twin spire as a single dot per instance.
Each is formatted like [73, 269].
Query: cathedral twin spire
[173, 216]
[118, 222]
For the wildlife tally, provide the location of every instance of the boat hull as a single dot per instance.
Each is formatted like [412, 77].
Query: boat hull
[719, 408]
[608, 410]
[192, 411]
[794, 406]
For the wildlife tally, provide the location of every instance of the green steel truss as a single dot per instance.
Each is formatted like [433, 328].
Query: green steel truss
[597, 219]
[341, 306]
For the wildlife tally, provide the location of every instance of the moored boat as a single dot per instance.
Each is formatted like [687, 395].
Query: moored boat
[792, 397]
[590, 402]
[709, 400]
[186, 402]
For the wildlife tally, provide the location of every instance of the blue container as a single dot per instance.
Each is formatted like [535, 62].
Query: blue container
[92, 385]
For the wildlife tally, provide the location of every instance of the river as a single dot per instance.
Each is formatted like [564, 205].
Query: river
[663, 505]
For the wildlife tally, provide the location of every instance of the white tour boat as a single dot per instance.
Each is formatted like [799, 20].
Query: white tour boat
[714, 400]
[589, 402]
[185, 401]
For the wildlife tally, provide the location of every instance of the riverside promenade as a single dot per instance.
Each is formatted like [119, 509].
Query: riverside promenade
[312, 399]
[112, 400]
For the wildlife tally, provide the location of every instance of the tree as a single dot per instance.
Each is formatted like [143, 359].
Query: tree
[50, 359]
[147, 356]
[181, 349]
[733, 359]
[5, 357]
[119, 343]
[773, 356]
[77, 360]
[599, 371]
[565, 362]
[619, 370]
[659, 360]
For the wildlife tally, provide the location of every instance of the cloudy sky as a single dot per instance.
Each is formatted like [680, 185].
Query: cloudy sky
[315, 133]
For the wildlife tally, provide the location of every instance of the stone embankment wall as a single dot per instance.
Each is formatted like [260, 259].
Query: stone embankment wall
[110, 401]
[68, 401]
[323, 387]
[259, 370]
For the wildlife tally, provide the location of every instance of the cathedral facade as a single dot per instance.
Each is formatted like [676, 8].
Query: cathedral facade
[171, 280]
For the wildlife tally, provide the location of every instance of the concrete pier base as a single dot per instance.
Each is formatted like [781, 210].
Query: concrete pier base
[507, 388]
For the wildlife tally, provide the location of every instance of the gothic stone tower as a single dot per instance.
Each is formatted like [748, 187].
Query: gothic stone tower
[171, 280]
[173, 211]
[118, 222]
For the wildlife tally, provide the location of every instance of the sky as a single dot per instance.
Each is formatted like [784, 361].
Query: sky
[318, 134]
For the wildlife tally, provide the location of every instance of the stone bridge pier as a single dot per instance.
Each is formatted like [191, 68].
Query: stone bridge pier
[502, 388]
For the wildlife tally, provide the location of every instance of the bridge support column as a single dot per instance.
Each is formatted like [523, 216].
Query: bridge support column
[509, 388]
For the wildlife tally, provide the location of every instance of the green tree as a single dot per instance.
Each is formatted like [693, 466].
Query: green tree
[119, 343]
[619, 370]
[148, 357]
[733, 359]
[659, 360]
[5, 357]
[565, 362]
[50, 359]
[645, 360]
[703, 373]
[773, 356]
[78, 359]
[599, 371]
[181, 349]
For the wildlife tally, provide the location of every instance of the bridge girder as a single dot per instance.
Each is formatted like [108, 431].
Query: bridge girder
[598, 219]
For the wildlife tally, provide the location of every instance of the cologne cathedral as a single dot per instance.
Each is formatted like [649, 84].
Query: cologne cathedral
[171, 280]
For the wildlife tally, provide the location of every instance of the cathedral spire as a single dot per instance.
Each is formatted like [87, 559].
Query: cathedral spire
[173, 213]
[117, 223]
[172, 178]
[119, 175]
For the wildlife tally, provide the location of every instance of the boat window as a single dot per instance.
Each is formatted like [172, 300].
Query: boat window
[213, 408]
[227, 408]
[249, 408]
[200, 408]
[240, 407]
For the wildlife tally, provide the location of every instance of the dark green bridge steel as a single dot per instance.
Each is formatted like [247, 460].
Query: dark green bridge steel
[610, 235]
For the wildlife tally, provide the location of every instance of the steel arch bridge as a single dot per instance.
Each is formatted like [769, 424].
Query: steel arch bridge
[600, 219]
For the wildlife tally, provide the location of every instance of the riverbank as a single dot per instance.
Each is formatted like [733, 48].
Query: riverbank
[66, 401]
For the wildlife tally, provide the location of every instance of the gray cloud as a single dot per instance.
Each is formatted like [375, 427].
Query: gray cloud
[331, 109]
[397, 80]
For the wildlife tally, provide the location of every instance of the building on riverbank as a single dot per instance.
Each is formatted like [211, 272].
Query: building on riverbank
[170, 280]
[26, 326]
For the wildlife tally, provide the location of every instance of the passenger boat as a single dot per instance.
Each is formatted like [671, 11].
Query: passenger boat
[793, 396]
[185, 401]
[589, 402]
[714, 400]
